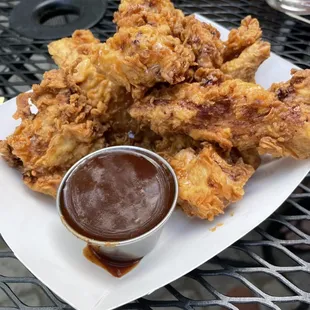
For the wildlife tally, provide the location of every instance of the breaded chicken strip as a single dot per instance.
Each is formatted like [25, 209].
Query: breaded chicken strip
[245, 66]
[241, 38]
[64, 129]
[157, 13]
[75, 56]
[138, 58]
[205, 42]
[201, 37]
[232, 114]
[109, 100]
[208, 183]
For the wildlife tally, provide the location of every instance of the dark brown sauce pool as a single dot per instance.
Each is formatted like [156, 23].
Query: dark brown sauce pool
[115, 268]
[117, 196]
[113, 197]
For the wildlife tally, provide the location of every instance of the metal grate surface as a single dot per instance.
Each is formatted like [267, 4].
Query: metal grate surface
[269, 267]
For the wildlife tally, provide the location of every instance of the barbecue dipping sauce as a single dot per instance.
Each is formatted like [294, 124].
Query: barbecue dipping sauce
[117, 196]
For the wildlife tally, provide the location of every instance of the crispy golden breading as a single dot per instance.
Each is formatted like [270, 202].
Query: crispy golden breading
[210, 76]
[202, 38]
[74, 55]
[239, 39]
[109, 100]
[295, 91]
[205, 42]
[168, 146]
[67, 50]
[46, 144]
[297, 146]
[6, 154]
[207, 182]
[232, 114]
[138, 58]
[193, 105]
[245, 66]
[295, 94]
[157, 13]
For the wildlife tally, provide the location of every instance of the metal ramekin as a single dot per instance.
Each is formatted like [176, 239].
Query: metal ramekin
[131, 249]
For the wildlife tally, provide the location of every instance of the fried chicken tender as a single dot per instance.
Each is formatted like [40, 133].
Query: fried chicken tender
[64, 129]
[295, 91]
[245, 66]
[201, 37]
[241, 38]
[295, 94]
[109, 100]
[138, 58]
[75, 55]
[67, 50]
[208, 183]
[205, 42]
[157, 13]
[232, 114]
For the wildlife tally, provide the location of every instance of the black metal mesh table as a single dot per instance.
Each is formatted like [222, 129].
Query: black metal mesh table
[276, 252]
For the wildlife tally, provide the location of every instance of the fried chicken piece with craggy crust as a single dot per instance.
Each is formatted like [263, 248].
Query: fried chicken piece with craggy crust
[241, 38]
[157, 13]
[232, 114]
[208, 183]
[64, 129]
[75, 56]
[245, 66]
[209, 77]
[204, 40]
[295, 91]
[295, 94]
[67, 50]
[109, 100]
[138, 58]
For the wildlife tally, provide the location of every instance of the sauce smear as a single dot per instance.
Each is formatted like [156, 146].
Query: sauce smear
[116, 268]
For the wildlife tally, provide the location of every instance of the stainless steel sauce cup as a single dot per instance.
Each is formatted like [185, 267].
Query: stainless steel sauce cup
[131, 249]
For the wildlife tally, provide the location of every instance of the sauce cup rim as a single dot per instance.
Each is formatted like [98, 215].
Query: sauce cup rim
[137, 150]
